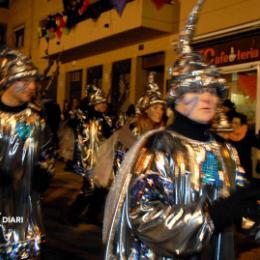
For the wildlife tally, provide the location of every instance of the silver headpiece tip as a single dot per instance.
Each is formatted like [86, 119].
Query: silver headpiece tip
[187, 35]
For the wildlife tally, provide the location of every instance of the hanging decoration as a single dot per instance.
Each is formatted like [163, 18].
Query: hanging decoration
[75, 11]
[54, 26]
[160, 3]
[119, 5]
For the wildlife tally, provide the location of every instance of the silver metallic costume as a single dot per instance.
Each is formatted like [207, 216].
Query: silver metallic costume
[152, 96]
[113, 150]
[26, 166]
[92, 128]
[165, 210]
[158, 206]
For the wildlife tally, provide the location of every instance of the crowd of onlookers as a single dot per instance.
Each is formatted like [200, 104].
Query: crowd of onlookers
[242, 136]
[60, 121]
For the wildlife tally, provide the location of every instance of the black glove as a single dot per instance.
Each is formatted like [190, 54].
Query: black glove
[240, 203]
[41, 179]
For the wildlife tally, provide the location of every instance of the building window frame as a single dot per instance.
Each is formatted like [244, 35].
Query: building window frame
[18, 36]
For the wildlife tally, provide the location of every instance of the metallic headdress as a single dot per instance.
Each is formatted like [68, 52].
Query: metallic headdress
[190, 72]
[95, 95]
[151, 96]
[15, 66]
[220, 123]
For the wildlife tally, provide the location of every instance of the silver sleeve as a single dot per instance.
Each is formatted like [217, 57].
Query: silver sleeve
[164, 211]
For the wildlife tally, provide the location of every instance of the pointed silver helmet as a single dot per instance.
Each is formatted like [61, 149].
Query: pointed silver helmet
[15, 66]
[190, 72]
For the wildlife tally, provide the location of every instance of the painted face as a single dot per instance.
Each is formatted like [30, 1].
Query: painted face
[101, 107]
[23, 90]
[236, 123]
[199, 107]
[155, 113]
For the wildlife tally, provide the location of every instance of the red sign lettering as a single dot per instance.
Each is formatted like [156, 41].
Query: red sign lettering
[246, 49]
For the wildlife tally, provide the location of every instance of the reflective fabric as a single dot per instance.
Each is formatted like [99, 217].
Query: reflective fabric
[165, 215]
[91, 131]
[24, 153]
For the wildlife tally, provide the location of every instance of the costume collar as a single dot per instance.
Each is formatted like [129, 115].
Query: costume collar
[10, 109]
[189, 128]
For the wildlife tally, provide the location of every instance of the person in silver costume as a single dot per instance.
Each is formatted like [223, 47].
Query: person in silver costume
[26, 161]
[150, 110]
[93, 126]
[180, 190]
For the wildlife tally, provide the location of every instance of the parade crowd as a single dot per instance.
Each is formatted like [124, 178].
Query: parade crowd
[169, 178]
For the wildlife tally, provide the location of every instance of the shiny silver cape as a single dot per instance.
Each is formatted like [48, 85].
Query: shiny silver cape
[157, 206]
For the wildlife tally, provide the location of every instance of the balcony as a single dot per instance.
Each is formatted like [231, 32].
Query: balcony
[140, 21]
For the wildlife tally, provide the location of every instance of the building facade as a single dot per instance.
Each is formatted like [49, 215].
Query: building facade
[116, 52]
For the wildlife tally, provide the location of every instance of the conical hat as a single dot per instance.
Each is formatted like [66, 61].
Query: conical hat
[95, 95]
[151, 96]
[190, 72]
[15, 66]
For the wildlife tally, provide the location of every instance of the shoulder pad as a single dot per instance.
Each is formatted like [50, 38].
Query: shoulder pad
[37, 109]
[161, 141]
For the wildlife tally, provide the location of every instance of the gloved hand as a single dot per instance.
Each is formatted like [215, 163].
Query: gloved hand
[41, 179]
[240, 203]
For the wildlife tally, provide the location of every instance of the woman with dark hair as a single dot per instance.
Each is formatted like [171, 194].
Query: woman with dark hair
[243, 139]
[229, 108]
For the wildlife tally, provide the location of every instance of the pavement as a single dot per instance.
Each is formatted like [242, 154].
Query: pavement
[81, 242]
[64, 241]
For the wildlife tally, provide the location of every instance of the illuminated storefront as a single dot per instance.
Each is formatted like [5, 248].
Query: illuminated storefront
[238, 57]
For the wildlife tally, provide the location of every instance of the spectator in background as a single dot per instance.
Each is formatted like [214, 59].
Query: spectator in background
[243, 140]
[53, 118]
[67, 132]
[74, 105]
[229, 109]
[65, 109]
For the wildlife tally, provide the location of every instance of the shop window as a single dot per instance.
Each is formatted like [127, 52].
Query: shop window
[94, 76]
[19, 37]
[74, 84]
[2, 34]
[243, 92]
[119, 90]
